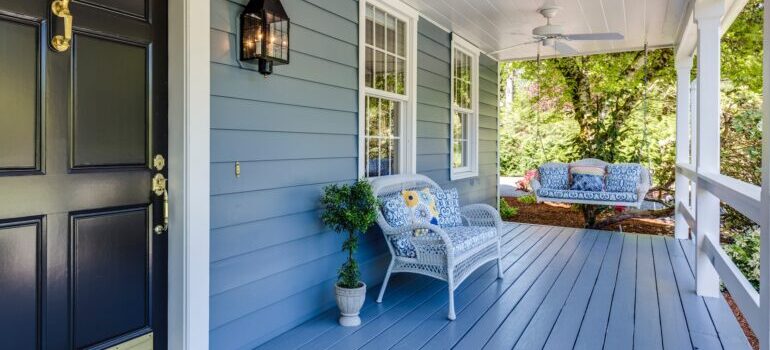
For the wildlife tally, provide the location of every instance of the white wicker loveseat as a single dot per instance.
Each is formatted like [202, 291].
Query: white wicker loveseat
[450, 254]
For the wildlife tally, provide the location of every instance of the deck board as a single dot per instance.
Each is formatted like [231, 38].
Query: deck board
[563, 288]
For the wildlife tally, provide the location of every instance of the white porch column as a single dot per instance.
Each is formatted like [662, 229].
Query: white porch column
[764, 260]
[682, 186]
[707, 16]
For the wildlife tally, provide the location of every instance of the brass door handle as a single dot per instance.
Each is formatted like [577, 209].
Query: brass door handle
[61, 8]
[159, 188]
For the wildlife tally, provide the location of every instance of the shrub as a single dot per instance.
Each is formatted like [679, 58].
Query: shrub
[524, 184]
[744, 251]
[528, 199]
[506, 210]
[351, 209]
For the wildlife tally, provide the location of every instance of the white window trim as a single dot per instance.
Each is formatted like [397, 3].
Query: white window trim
[408, 127]
[472, 170]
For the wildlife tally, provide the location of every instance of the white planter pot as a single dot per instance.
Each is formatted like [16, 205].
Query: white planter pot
[350, 301]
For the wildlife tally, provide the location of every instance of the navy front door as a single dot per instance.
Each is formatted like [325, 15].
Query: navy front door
[82, 120]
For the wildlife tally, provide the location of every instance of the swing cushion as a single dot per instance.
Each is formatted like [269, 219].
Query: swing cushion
[623, 177]
[554, 176]
[628, 197]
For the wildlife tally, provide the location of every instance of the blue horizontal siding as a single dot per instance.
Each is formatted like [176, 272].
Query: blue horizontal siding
[273, 263]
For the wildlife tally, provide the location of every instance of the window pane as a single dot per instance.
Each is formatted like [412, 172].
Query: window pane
[379, 71]
[370, 24]
[401, 46]
[400, 77]
[385, 114]
[372, 157]
[459, 154]
[379, 29]
[395, 118]
[372, 116]
[391, 74]
[457, 126]
[390, 40]
[369, 73]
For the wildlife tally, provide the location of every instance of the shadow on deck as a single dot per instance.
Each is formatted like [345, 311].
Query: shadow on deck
[564, 288]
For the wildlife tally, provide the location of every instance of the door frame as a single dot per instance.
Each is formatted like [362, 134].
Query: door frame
[189, 83]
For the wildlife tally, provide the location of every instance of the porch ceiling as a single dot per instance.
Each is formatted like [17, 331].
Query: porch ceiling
[496, 24]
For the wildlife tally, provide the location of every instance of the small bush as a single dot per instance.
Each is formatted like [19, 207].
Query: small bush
[507, 211]
[744, 251]
[528, 199]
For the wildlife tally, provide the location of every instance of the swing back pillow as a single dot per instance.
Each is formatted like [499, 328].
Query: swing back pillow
[623, 177]
[587, 178]
[554, 176]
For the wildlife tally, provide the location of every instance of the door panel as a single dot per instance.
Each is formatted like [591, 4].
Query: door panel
[111, 274]
[80, 266]
[109, 125]
[19, 136]
[131, 7]
[20, 256]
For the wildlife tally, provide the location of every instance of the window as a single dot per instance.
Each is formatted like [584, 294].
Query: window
[386, 141]
[465, 87]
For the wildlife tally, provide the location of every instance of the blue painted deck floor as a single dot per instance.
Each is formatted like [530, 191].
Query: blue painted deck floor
[564, 288]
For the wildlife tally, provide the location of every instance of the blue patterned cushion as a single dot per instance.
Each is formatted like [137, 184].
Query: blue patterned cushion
[395, 211]
[585, 182]
[463, 238]
[554, 176]
[448, 205]
[629, 197]
[402, 246]
[623, 177]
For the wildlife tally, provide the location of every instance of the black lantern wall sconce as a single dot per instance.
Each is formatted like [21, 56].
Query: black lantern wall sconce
[265, 34]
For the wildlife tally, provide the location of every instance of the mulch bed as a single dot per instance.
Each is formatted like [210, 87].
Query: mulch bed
[753, 341]
[558, 214]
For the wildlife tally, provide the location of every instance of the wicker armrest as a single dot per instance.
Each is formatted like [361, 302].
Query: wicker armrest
[481, 215]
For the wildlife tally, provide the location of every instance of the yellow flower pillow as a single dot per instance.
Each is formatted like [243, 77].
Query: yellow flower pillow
[421, 206]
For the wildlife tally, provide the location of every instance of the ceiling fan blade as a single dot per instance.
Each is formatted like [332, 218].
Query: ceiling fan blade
[563, 48]
[594, 36]
[514, 46]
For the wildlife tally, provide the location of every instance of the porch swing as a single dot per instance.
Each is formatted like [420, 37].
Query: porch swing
[593, 181]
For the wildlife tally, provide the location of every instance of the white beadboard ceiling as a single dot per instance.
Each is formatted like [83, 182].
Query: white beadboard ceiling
[491, 24]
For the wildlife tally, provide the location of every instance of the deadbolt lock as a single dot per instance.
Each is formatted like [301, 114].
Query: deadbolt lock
[159, 162]
[159, 184]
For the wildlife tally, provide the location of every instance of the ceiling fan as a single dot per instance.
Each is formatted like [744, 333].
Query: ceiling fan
[553, 34]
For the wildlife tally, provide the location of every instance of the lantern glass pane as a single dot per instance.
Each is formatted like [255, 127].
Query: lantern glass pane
[251, 36]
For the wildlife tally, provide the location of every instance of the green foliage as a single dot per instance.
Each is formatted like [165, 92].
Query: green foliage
[744, 251]
[506, 210]
[579, 107]
[350, 209]
[528, 199]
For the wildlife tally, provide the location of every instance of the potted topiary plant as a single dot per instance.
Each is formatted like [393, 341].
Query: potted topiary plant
[349, 209]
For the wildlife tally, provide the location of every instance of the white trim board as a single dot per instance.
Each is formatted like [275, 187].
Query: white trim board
[189, 97]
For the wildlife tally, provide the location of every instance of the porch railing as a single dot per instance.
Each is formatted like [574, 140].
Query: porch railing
[701, 188]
